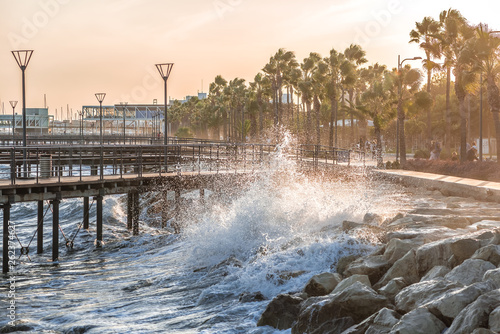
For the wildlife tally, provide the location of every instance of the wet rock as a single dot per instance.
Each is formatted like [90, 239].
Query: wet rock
[248, 297]
[393, 287]
[322, 284]
[334, 326]
[281, 312]
[378, 323]
[447, 252]
[419, 321]
[483, 331]
[349, 225]
[373, 266]
[489, 253]
[350, 281]
[343, 262]
[357, 301]
[493, 275]
[372, 218]
[397, 248]
[421, 293]
[451, 303]
[432, 212]
[476, 314]
[471, 271]
[435, 273]
[406, 267]
[282, 276]
[455, 222]
[494, 320]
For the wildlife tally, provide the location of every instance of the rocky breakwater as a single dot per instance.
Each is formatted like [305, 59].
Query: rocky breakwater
[435, 272]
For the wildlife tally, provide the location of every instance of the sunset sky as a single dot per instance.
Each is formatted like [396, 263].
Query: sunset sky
[84, 47]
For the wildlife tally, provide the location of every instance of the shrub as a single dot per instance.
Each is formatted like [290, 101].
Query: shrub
[184, 132]
[422, 154]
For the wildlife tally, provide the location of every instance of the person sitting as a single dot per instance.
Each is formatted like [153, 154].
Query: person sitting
[454, 156]
[471, 154]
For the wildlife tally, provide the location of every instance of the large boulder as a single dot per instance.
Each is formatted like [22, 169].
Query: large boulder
[373, 266]
[397, 248]
[494, 320]
[418, 321]
[391, 289]
[281, 312]
[421, 293]
[322, 284]
[334, 326]
[470, 271]
[406, 267]
[435, 273]
[450, 304]
[344, 284]
[448, 252]
[357, 301]
[489, 253]
[492, 275]
[344, 261]
[378, 323]
[476, 314]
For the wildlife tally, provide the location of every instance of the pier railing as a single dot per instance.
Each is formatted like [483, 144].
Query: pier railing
[82, 161]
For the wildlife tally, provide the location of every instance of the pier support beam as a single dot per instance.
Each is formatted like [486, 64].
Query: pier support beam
[202, 196]
[86, 213]
[5, 245]
[130, 209]
[164, 209]
[99, 221]
[135, 214]
[55, 229]
[39, 235]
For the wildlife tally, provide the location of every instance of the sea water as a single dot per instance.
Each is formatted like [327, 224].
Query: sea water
[269, 238]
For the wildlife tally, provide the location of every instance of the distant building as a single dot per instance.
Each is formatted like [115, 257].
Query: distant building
[37, 121]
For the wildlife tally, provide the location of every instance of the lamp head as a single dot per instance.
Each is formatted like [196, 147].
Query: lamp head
[22, 57]
[100, 96]
[13, 103]
[165, 69]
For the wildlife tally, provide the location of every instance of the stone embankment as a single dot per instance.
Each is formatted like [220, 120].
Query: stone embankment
[430, 275]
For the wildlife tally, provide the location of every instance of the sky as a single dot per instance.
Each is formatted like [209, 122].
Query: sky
[83, 47]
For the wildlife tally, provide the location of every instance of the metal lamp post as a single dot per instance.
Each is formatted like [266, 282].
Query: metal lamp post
[400, 119]
[23, 58]
[165, 70]
[100, 97]
[124, 105]
[13, 104]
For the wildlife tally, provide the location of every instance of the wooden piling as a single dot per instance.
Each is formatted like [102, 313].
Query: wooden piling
[55, 229]
[5, 250]
[130, 209]
[86, 210]
[164, 209]
[99, 221]
[135, 214]
[39, 235]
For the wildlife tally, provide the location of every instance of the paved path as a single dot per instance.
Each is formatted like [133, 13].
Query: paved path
[448, 185]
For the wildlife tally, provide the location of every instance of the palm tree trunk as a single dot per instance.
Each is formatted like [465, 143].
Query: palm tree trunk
[429, 119]
[317, 107]
[378, 148]
[448, 111]
[402, 143]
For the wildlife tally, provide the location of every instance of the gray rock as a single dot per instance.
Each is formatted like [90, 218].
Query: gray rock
[373, 266]
[493, 275]
[322, 284]
[281, 312]
[384, 322]
[334, 326]
[350, 281]
[421, 293]
[391, 289]
[406, 267]
[397, 248]
[453, 302]
[470, 271]
[489, 253]
[435, 273]
[418, 321]
[476, 314]
[372, 218]
[343, 262]
[357, 301]
[494, 320]
[483, 331]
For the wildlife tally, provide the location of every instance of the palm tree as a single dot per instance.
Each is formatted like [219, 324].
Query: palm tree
[378, 101]
[487, 54]
[356, 57]
[409, 81]
[306, 88]
[450, 20]
[425, 33]
[217, 101]
[261, 88]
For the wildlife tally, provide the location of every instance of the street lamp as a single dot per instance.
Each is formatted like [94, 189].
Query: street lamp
[23, 58]
[13, 104]
[401, 116]
[124, 105]
[165, 70]
[100, 97]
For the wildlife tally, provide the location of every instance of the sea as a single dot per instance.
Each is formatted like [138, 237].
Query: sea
[236, 251]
